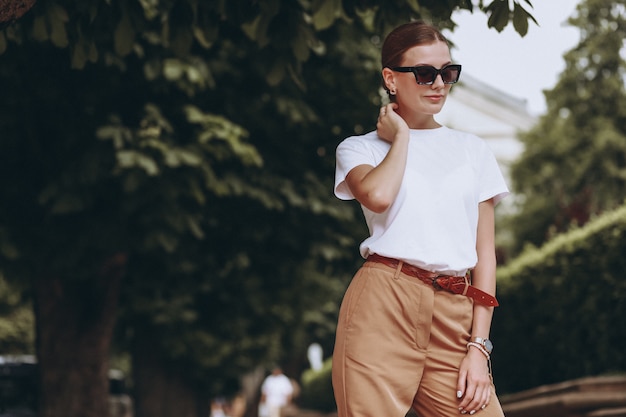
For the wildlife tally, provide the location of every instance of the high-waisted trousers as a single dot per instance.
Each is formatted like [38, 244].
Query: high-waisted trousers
[399, 344]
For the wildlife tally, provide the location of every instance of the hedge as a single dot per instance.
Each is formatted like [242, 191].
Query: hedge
[563, 308]
[317, 389]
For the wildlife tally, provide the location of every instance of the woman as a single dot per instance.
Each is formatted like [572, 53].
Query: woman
[412, 331]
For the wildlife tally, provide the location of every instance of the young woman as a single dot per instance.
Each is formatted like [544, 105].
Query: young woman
[413, 330]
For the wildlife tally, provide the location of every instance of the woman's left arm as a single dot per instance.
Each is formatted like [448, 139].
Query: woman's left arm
[474, 384]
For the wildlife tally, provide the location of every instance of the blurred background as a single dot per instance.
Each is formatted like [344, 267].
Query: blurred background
[168, 231]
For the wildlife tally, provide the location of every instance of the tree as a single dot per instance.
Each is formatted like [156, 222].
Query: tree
[574, 163]
[144, 156]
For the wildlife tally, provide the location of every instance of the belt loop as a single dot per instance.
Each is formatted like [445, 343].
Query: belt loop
[398, 270]
[467, 279]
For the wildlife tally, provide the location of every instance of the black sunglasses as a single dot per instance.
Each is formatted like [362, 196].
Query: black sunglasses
[427, 74]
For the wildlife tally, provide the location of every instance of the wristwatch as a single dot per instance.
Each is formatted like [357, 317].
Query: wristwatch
[485, 343]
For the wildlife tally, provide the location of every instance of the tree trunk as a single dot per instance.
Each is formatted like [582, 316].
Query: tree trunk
[251, 390]
[75, 321]
[159, 390]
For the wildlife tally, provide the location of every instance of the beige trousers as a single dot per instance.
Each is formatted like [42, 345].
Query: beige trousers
[399, 345]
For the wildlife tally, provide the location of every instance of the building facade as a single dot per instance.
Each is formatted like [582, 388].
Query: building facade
[497, 117]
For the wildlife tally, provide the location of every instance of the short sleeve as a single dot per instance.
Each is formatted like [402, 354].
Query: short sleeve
[350, 153]
[491, 180]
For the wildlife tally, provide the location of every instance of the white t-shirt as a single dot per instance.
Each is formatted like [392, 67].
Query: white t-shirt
[277, 389]
[433, 221]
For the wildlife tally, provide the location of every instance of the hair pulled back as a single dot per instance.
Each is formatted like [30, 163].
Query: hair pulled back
[405, 37]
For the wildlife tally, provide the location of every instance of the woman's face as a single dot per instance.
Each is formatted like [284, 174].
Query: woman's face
[415, 100]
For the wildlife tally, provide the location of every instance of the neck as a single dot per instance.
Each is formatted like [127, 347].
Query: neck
[430, 125]
[422, 121]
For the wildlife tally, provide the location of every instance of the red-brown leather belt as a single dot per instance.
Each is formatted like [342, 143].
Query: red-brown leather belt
[455, 285]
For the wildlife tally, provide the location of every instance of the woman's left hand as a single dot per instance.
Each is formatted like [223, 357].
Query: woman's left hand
[474, 384]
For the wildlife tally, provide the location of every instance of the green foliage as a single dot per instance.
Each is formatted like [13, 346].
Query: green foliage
[562, 307]
[500, 14]
[17, 330]
[317, 389]
[196, 138]
[574, 162]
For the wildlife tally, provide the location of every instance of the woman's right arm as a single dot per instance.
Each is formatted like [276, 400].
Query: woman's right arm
[377, 187]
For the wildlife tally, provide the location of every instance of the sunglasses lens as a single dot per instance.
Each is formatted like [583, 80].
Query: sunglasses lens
[425, 74]
[450, 74]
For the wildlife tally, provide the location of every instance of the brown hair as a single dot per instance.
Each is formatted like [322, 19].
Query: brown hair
[405, 37]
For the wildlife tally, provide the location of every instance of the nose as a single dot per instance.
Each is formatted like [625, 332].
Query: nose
[438, 83]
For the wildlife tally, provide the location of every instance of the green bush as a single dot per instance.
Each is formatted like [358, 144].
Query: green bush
[317, 389]
[17, 321]
[563, 308]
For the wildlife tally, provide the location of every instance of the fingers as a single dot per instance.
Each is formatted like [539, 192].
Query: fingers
[461, 384]
[380, 125]
[474, 394]
[390, 123]
[388, 110]
[477, 399]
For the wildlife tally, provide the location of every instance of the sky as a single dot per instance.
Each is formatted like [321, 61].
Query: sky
[521, 67]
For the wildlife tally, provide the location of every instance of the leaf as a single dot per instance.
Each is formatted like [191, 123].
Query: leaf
[134, 159]
[116, 134]
[150, 8]
[520, 19]
[57, 18]
[176, 157]
[324, 16]
[195, 76]
[40, 30]
[195, 227]
[257, 30]
[205, 35]
[173, 69]
[300, 45]
[189, 158]
[194, 114]
[277, 73]
[152, 70]
[81, 52]
[500, 14]
[124, 36]
[415, 5]
[79, 58]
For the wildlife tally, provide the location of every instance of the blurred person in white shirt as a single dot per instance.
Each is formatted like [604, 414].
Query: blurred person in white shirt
[276, 393]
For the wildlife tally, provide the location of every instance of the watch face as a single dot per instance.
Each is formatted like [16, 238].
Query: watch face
[488, 345]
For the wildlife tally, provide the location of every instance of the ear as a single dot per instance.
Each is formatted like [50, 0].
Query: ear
[389, 78]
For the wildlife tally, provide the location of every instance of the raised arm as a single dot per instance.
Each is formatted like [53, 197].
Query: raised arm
[377, 187]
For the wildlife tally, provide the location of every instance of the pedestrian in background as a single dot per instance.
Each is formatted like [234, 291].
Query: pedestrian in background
[276, 393]
[413, 330]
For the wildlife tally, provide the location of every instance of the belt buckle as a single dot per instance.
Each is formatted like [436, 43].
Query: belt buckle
[434, 282]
